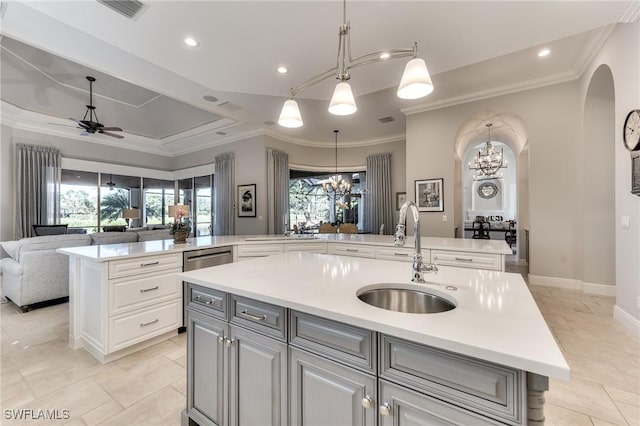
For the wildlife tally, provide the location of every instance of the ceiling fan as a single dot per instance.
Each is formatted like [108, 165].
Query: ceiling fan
[111, 184]
[90, 126]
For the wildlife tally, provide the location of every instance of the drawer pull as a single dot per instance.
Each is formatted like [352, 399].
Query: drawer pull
[144, 324]
[200, 300]
[221, 339]
[144, 290]
[255, 317]
[401, 254]
[385, 409]
[352, 250]
[229, 342]
[367, 402]
[157, 262]
[463, 259]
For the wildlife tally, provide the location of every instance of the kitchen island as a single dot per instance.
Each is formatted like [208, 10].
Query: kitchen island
[326, 356]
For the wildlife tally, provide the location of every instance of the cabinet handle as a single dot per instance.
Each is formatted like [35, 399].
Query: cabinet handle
[352, 250]
[367, 402]
[144, 324]
[144, 290]
[221, 339]
[385, 409]
[401, 254]
[157, 262]
[229, 342]
[255, 317]
[206, 302]
[463, 259]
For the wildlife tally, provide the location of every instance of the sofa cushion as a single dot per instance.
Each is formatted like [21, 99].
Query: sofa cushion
[49, 242]
[11, 248]
[158, 234]
[100, 238]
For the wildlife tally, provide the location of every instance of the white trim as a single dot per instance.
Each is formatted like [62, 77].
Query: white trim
[555, 282]
[112, 168]
[599, 289]
[327, 169]
[325, 144]
[627, 320]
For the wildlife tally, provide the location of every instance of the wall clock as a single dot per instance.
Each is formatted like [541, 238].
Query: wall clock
[631, 131]
[487, 190]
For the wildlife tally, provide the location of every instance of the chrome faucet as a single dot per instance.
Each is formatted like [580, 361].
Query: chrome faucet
[418, 266]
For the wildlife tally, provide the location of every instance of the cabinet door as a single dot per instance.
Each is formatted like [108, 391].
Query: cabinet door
[324, 393]
[258, 382]
[400, 406]
[207, 369]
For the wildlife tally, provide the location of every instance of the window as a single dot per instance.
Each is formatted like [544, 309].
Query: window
[203, 205]
[309, 204]
[158, 196]
[117, 192]
[79, 200]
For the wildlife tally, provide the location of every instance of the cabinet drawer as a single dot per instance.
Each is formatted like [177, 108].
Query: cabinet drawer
[309, 247]
[341, 342]
[467, 259]
[409, 408]
[356, 250]
[259, 250]
[207, 300]
[487, 388]
[139, 291]
[128, 329]
[259, 316]
[144, 265]
[402, 254]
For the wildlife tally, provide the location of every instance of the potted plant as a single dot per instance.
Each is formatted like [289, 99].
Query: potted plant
[181, 227]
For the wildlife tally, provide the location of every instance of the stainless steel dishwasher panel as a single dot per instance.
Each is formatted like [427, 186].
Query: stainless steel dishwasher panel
[198, 259]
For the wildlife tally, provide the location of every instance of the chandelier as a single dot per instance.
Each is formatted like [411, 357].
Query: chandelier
[415, 82]
[335, 184]
[488, 162]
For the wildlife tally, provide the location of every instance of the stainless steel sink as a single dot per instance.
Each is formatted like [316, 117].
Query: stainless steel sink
[406, 300]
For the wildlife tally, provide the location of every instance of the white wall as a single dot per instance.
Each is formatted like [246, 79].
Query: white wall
[551, 116]
[7, 212]
[621, 53]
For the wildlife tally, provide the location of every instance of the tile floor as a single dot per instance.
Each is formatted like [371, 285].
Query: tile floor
[40, 371]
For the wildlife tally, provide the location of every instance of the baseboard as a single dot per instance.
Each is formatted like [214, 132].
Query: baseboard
[599, 289]
[555, 282]
[627, 320]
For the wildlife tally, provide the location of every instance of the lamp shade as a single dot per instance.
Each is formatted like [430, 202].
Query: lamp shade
[290, 115]
[415, 82]
[130, 213]
[342, 101]
[173, 209]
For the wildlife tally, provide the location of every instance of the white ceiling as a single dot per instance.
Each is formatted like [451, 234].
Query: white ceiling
[473, 49]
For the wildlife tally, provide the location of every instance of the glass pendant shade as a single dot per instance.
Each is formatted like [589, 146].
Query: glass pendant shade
[415, 82]
[342, 101]
[290, 115]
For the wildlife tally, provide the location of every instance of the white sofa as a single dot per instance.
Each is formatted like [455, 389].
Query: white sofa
[35, 273]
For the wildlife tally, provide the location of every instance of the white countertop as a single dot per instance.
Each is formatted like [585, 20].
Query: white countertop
[496, 318]
[103, 253]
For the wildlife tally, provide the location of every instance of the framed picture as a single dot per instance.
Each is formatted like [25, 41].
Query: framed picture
[247, 200]
[635, 173]
[401, 197]
[430, 195]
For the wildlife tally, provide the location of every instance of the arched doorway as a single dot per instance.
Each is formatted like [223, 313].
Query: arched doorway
[598, 236]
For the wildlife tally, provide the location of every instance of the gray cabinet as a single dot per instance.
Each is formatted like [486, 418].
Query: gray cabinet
[325, 393]
[258, 379]
[206, 369]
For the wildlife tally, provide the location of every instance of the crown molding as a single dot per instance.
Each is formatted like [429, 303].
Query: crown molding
[631, 14]
[592, 48]
[323, 144]
[558, 78]
[327, 169]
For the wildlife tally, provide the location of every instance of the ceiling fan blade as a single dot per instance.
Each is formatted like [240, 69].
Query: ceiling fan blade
[112, 129]
[80, 123]
[64, 125]
[113, 135]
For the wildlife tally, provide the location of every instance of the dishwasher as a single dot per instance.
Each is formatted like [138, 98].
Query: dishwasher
[198, 259]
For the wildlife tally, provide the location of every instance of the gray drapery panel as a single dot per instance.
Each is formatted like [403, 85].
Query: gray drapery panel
[224, 183]
[38, 178]
[379, 206]
[277, 190]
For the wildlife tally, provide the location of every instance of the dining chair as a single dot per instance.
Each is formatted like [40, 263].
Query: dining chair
[327, 228]
[348, 228]
[481, 230]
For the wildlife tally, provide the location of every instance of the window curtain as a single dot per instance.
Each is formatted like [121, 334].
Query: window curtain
[224, 222]
[277, 191]
[39, 171]
[379, 206]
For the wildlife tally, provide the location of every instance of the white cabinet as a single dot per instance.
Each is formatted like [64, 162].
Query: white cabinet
[354, 250]
[249, 251]
[128, 304]
[308, 247]
[464, 259]
[401, 254]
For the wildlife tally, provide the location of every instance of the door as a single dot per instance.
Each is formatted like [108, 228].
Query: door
[258, 379]
[207, 370]
[402, 407]
[325, 393]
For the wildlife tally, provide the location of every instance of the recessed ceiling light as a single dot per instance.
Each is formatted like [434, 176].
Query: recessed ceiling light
[283, 70]
[192, 42]
[210, 98]
[544, 52]
[385, 55]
